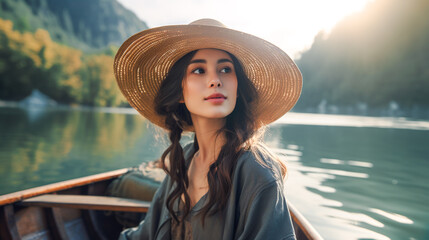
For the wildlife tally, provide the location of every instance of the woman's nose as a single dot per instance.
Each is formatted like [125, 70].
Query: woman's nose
[215, 81]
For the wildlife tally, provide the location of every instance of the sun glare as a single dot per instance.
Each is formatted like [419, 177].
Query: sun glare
[291, 25]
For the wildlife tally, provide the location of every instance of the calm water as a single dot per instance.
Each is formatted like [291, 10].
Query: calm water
[352, 177]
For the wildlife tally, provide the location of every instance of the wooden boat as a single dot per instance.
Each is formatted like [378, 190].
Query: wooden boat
[79, 209]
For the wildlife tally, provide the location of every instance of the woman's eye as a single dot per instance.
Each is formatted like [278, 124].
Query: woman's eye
[226, 70]
[198, 71]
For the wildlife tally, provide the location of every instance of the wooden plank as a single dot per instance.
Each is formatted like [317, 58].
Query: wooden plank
[8, 229]
[50, 188]
[303, 224]
[56, 224]
[30, 220]
[88, 202]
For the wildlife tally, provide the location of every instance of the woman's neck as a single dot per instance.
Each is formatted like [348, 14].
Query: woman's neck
[209, 141]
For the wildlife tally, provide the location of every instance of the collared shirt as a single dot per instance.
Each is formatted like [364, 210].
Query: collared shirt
[256, 207]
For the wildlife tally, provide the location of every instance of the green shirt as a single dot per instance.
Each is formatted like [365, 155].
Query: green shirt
[256, 207]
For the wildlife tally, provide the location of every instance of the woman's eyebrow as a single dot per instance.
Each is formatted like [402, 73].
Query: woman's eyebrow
[224, 60]
[204, 61]
[198, 61]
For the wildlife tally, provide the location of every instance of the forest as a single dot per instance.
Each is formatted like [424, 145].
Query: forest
[369, 60]
[64, 49]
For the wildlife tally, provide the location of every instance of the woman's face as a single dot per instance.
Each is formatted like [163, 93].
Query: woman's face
[210, 84]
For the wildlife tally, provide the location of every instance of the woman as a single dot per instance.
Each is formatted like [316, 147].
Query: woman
[224, 85]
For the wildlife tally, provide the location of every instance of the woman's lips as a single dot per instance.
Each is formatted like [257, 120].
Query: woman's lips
[216, 98]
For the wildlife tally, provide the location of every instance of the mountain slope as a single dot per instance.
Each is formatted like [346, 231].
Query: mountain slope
[372, 59]
[78, 23]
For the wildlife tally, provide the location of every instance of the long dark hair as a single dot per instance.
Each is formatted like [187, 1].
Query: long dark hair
[239, 131]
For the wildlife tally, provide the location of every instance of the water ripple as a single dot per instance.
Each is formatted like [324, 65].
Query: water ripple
[344, 162]
[393, 216]
[333, 172]
[286, 152]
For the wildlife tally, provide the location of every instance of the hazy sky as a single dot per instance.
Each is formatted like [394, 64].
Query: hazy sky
[291, 25]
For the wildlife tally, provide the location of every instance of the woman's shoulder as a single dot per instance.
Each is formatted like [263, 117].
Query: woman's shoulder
[258, 166]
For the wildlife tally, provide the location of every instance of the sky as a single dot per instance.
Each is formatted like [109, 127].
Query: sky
[291, 25]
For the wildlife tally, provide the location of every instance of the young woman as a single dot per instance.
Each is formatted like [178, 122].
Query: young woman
[224, 85]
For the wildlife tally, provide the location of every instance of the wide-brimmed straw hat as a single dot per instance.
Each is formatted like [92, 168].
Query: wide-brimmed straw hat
[143, 61]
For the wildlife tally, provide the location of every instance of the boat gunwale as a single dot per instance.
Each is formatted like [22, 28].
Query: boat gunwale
[303, 224]
[58, 186]
[309, 231]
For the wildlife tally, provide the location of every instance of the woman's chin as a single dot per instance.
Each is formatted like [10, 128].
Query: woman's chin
[213, 115]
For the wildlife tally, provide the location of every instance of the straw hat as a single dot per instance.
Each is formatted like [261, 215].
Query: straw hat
[143, 61]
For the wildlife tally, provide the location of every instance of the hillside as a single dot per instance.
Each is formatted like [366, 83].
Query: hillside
[64, 49]
[81, 24]
[371, 60]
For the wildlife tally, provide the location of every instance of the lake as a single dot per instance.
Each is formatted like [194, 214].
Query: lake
[351, 177]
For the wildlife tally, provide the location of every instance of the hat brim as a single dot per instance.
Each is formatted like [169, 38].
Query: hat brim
[143, 61]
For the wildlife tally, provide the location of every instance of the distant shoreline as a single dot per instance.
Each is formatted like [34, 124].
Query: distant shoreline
[291, 118]
[419, 113]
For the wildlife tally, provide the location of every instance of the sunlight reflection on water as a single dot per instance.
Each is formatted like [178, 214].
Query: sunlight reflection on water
[301, 180]
[332, 172]
[354, 183]
[352, 121]
[350, 162]
[393, 216]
